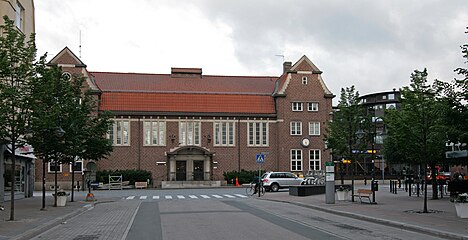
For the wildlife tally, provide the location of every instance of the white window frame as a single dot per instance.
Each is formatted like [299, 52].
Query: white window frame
[19, 16]
[49, 164]
[190, 133]
[297, 106]
[304, 80]
[314, 128]
[78, 160]
[312, 106]
[391, 96]
[295, 128]
[224, 133]
[154, 133]
[315, 163]
[296, 160]
[258, 134]
[119, 132]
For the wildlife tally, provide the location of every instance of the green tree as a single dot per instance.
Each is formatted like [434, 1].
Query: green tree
[415, 131]
[17, 68]
[60, 103]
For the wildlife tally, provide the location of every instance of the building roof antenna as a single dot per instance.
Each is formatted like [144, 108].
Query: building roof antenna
[280, 55]
[80, 44]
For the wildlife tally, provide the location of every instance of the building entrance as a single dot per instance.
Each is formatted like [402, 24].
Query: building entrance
[198, 170]
[181, 170]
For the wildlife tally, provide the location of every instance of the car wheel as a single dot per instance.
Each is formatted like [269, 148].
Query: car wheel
[274, 187]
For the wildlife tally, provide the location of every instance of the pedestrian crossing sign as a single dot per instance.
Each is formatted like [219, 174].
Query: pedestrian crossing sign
[260, 158]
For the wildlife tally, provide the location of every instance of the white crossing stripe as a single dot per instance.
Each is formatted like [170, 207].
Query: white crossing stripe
[229, 196]
[180, 197]
[142, 197]
[193, 196]
[216, 196]
[168, 197]
[204, 196]
[240, 195]
[155, 197]
[130, 197]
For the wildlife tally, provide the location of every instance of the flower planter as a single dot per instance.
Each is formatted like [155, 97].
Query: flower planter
[342, 195]
[61, 201]
[462, 209]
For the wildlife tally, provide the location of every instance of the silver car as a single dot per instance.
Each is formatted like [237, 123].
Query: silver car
[273, 181]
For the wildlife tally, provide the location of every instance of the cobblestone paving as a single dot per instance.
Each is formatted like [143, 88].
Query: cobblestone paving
[110, 221]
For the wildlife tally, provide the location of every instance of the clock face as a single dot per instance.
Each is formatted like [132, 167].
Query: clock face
[305, 142]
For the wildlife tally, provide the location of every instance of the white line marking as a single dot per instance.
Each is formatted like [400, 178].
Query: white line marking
[193, 196]
[204, 196]
[155, 197]
[229, 196]
[168, 197]
[240, 195]
[180, 197]
[216, 196]
[142, 197]
[130, 197]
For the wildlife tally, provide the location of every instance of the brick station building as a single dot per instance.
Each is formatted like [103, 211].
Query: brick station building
[191, 128]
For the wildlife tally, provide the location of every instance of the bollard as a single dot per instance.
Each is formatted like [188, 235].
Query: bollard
[391, 186]
[365, 181]
[410, 187]
[417, 188]
[399, 183]
[406, 185]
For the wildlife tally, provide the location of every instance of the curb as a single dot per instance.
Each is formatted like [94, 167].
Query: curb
[54, 222]
[385, 222]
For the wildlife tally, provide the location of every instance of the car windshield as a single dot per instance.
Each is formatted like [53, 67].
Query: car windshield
[264, 175]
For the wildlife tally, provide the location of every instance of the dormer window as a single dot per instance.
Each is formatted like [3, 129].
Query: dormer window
[304, 80]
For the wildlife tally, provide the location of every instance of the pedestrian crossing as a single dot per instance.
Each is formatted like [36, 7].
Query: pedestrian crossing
[186, 197]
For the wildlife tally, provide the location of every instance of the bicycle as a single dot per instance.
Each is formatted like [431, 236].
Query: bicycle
[250, 189]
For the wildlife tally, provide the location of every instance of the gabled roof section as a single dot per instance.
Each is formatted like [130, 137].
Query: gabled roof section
[66, 57]
[304, 64]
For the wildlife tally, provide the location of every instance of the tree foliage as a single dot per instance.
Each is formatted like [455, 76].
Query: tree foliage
[348, 119]
[17, 68]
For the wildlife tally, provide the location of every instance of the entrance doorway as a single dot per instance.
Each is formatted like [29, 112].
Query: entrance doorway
[198, 170]
[181, 170]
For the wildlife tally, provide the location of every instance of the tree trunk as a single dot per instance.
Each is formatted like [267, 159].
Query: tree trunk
[55, 184]
[13, 181]
[425, 190]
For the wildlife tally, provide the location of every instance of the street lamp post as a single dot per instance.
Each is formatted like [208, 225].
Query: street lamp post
[359, 134]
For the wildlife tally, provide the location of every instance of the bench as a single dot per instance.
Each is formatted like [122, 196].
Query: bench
[141, 185]
[363, 193]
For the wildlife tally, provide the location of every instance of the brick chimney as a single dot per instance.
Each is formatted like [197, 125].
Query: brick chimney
[186, 72]
[286, 67]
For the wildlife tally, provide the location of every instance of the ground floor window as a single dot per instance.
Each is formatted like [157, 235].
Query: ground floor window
[19, 173]
[296, 160]
[314, 160]
[52, 166]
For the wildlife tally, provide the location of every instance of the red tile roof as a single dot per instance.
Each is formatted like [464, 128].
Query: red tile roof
[135, 92]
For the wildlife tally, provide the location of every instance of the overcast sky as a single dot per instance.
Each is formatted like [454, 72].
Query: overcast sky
[374, 45]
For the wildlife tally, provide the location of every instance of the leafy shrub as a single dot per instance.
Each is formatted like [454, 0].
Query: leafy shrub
[131, 175]
[244, 176]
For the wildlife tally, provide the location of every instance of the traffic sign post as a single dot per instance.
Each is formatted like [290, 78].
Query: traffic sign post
[260, 159]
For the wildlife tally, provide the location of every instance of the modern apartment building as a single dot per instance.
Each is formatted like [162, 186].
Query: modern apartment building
[188, 127]
[22, 12]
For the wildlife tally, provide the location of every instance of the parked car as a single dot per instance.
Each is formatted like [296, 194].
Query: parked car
[273, 181]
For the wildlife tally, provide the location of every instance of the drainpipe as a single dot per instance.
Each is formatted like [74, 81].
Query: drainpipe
[238, 146]
[139, 143]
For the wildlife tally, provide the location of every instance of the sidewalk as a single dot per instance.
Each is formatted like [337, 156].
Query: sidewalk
[398, 210]
[30, 220]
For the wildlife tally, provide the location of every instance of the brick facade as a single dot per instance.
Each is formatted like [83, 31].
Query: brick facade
[161, 160]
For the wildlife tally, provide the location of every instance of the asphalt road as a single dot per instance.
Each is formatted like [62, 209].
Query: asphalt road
[189, 215]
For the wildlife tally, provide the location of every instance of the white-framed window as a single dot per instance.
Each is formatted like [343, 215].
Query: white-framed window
[304, 80]
[258, 134]
[384, 97]
[390, 106]
[315, 162]
[296, 128]
[296, 160]
[314, 128]
[391, 96]
[19, 16]
[224, 133]
[51, 166]
[189, 133]
[119, 132]
[154, 133]
[78, 165]
[297, 106]
[312, 106]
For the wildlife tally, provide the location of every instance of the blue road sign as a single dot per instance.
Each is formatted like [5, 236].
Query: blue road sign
[260, 158]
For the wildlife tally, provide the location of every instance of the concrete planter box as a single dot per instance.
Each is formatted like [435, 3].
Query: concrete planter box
[61, 201]
[462, 210]
[306, 190]
[342, 195]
